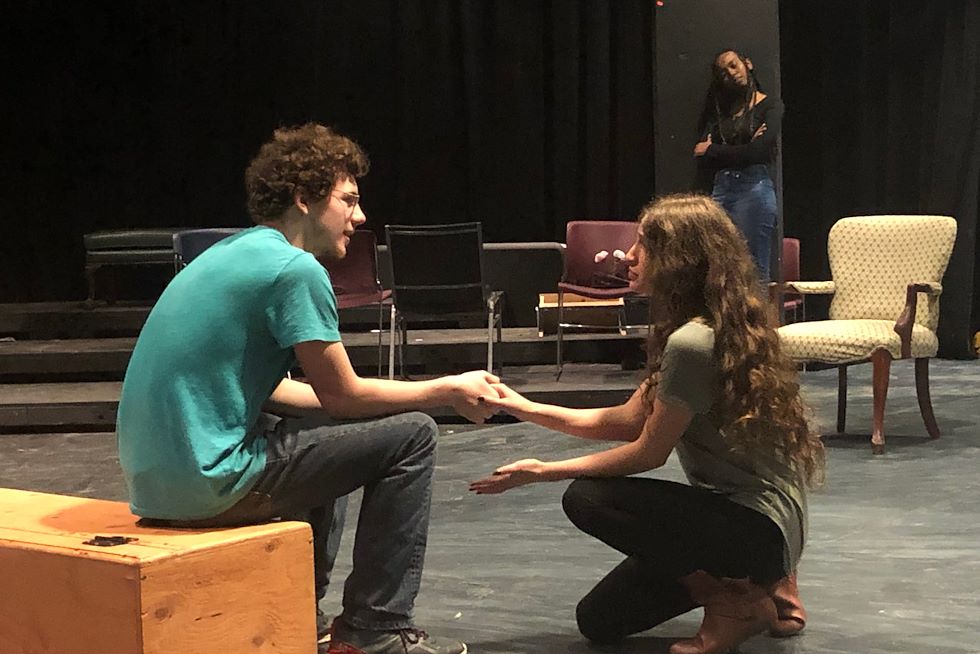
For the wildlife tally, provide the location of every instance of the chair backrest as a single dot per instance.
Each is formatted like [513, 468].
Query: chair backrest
[189, 243]
[874, 258]
[437, 269]
[584, 239]
[356, 274]
[791, 259]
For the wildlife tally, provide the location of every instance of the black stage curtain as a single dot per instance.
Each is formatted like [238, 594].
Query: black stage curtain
[520, 114]
[883, 116]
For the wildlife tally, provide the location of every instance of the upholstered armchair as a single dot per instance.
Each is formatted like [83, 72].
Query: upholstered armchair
[887, 273]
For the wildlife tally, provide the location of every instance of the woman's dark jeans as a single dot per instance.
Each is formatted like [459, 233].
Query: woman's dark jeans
[749, 197]
[667, 531]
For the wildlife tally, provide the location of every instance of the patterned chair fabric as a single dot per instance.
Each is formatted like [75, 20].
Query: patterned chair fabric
[848, 341]
[872, 261]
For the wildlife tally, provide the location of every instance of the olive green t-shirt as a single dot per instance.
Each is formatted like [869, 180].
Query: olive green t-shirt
[758, 479]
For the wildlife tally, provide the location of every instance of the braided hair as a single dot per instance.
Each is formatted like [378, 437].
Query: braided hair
[722, 102]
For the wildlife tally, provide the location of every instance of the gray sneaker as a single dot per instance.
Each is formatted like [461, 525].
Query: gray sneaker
[348, 640]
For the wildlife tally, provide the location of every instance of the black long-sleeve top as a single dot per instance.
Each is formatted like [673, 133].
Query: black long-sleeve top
[745, 151]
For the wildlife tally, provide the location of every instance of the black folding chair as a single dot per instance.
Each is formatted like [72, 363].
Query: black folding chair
[437, 275]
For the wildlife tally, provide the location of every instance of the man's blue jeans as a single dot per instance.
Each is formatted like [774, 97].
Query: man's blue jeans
[313, 464]
[749, 197]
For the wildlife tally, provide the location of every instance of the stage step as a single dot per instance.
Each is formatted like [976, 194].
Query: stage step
[24, 407]
[438, 350]
[73, 381]
[92, 405]
[48, 320]
[68, 357]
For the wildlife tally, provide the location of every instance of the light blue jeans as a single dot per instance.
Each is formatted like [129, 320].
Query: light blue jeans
[749, 197]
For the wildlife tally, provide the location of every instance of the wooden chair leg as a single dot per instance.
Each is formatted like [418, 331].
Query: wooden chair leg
[922, 392]
[841, 398]
[881, 362]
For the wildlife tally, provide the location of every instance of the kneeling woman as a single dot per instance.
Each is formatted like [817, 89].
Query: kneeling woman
[720, 392]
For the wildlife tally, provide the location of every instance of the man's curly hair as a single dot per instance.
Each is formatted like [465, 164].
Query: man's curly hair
[306, 159]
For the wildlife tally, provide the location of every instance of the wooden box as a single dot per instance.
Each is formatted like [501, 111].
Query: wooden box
[583, 312]
[218, 591]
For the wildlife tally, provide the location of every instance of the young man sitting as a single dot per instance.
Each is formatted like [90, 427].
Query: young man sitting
[195, 445]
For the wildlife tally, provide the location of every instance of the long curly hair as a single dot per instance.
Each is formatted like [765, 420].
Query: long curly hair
[699, 267]
[307, 160]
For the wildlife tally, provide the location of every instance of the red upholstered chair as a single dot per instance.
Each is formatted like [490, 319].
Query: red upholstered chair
[355, 279]
[604, 280]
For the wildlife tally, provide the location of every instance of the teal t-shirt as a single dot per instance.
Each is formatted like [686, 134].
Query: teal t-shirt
[216, 344]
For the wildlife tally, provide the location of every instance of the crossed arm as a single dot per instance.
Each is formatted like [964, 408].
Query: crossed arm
[650, 436]
[758, 150]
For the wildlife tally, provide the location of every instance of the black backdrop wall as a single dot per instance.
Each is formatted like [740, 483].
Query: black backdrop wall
[522, 114]
[686, 42]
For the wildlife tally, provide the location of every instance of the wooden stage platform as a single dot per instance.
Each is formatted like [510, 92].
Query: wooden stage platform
[61, 365]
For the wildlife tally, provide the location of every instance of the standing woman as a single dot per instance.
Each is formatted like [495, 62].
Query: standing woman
[721, 393]
[738, 129]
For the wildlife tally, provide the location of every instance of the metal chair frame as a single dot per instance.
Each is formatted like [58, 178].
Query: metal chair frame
[434, 241]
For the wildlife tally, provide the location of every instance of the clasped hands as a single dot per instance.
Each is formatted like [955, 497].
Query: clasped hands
[467, 393]
[478, 396]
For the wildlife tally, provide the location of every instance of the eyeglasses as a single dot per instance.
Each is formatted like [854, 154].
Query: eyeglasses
[350, 199]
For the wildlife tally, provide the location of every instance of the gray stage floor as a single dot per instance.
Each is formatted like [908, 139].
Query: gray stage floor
[892, 563]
